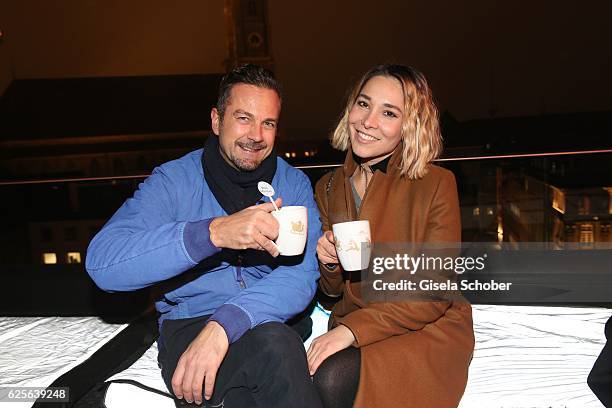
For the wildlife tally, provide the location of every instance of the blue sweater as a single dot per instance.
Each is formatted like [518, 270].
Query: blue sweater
[162, 232]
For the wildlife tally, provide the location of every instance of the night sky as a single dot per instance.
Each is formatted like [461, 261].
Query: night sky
[483, 58]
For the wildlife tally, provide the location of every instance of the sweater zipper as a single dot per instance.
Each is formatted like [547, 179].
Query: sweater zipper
[239, 273]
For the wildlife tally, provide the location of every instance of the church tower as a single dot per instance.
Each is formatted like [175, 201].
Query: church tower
[248, 33]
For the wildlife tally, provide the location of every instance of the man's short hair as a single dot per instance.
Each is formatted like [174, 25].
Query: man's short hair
[249, 74]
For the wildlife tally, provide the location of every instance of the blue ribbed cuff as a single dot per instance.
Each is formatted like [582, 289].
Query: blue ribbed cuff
[196, 237]
[234, 320]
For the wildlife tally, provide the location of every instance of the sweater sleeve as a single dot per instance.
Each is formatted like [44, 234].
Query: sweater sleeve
[380, 320]
[143, 243]
[331, 282]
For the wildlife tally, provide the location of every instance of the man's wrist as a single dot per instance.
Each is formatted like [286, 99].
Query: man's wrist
[233, 319]
[218, 329]
[213, 232]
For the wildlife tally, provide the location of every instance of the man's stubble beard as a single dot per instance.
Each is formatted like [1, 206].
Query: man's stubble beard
[243, 164]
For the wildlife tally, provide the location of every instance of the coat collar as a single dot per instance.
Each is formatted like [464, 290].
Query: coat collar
[390, 165]
[350, 164]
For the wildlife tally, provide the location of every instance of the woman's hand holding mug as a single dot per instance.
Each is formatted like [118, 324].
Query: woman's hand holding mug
[326, 249]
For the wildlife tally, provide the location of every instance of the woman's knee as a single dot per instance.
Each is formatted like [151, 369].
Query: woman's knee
[337, 378]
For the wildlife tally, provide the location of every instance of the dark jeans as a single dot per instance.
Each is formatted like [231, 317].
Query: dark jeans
[266, 367]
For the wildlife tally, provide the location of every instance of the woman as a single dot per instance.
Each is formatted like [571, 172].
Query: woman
[390, 354]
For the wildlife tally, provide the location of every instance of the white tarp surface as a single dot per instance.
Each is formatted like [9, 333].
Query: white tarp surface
[529, 356]
[34, 351]
[525, 357]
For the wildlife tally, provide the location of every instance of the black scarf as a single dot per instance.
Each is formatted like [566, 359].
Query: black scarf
[235, 190]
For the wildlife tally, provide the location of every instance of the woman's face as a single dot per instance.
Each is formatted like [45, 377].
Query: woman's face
[375, 121]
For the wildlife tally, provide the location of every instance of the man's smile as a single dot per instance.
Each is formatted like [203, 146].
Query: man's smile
[251, 147]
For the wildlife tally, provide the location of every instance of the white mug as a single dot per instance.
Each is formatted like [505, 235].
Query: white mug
[292, 230]
[353, 244]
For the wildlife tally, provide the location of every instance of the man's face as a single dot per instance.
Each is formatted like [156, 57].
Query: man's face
[248, 129]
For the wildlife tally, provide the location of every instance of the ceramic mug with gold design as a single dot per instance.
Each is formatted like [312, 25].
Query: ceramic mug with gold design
[293, 229]
[353, 244]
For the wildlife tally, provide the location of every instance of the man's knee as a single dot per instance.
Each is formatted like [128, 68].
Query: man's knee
[279, 335]
[278, 342]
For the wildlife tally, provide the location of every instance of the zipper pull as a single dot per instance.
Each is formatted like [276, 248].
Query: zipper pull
[239, 272]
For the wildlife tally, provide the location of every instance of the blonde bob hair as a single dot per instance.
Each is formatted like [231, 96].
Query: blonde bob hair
[420, 139]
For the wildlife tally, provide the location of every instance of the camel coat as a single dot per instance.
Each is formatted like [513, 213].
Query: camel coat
[413, 354]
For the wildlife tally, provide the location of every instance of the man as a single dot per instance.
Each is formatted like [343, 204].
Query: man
[195, 225]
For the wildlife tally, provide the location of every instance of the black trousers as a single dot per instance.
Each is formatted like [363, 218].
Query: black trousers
[266, 367]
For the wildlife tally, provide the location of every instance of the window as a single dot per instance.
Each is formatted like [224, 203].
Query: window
[586, 235]
[604, 231]
[118, 166]
[94, 167]
[46, 234]
[73, 257]
[558, 202]
[585, 205]
[49, 258]
[70, 234]
[252, 8]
